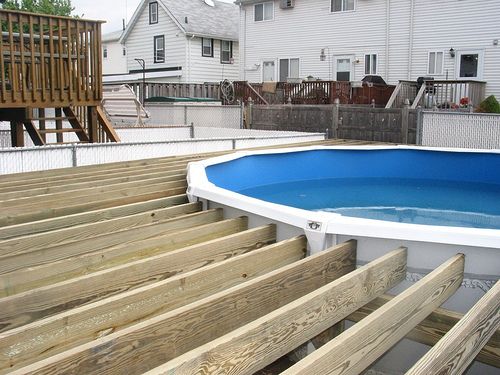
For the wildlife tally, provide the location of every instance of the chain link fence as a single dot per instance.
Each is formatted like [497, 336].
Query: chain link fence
[202, 115]
[456, 129]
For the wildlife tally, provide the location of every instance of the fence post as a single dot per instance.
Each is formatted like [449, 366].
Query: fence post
[420, 123]
[334, 131]
[242, 112]
[373, 103]
[73, 156]
[405, 116]
[191, 130]
[185, 115]
[250, 113]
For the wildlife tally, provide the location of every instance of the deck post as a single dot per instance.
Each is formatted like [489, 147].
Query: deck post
[92, 124]
[17, 134]
[334, 131]
[405, 116]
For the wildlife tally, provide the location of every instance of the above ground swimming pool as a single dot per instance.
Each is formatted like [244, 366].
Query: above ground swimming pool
[445, 196]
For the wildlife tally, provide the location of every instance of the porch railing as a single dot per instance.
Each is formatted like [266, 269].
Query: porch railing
[49, 61]
[451, 95]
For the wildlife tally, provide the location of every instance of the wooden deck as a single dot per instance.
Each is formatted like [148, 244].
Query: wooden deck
[109, 269]
[51, 62]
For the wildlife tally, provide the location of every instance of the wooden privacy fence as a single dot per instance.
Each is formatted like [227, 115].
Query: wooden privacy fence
[338, 121]
[312, 92]
[49, 61]
[176, 90]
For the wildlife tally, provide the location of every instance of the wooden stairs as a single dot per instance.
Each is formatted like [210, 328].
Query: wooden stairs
[109, 269]
[36, 121]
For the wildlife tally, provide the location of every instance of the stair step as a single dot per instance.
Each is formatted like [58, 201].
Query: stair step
[63, 118]
[44, 131]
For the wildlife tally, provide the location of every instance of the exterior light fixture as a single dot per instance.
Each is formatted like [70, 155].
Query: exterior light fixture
[452, 52]
[322, 56]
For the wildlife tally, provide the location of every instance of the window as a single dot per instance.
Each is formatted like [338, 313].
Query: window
[371, 64]
[153, 13]
[342, 5]
[226, 51]
[105, 52]
[159, 49]
[469, 65]
[264, 11]
[289, 68]
[124, 51]
[435, 63]
[268, 71]
[207, 47]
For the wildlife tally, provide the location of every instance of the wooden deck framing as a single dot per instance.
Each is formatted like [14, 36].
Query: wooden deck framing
[109, 269]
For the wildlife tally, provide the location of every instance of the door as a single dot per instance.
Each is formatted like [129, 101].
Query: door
[470, 65]
[268, 71]
[342, 66]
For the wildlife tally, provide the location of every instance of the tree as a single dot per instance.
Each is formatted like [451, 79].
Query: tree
[55, 7]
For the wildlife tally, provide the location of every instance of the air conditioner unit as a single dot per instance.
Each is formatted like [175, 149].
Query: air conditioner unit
[287, 4]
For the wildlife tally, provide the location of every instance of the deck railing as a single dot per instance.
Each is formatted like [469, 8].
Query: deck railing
[451, 95]
[49, 61]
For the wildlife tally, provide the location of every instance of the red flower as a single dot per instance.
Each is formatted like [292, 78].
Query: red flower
[464, 101]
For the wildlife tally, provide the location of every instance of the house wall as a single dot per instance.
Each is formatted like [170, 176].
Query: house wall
[389, 28]
[140, 42]
[209, 69]
[115, 63]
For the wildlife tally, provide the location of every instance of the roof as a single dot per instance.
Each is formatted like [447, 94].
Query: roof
[220, 21]
[109, 37]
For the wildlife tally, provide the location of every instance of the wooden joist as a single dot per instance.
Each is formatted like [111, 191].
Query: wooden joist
[17, 348]
[457, 349]
[154, 341]
[28, 214]
[30, 243]
[430, 330]
[263, 341]
[55, 298]
[356, 348]
[68, 221]
[35, 277]
[26, 258]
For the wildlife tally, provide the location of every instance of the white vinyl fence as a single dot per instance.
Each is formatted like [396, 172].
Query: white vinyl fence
[27, 159]
[456, 129]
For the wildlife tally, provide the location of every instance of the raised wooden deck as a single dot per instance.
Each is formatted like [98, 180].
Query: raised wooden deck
[51, 62]
[109, 269]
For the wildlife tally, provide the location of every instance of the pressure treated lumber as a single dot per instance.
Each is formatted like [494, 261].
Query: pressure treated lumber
[47, 191]
[20, 347]
[355, 349]
[35, 277]
[259, 343]
[55, 298]
[14, 262]
[136, 195]
[457, 349]
[434, 327]
[83, 232]
[91, 194]
[89, 217]
[154, 341]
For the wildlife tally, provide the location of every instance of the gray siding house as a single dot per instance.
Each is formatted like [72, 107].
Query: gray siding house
[188, 41]
[397, 39]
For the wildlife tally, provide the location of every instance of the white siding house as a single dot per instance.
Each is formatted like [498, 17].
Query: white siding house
[168, 35]
[114, 54]
[397, 39]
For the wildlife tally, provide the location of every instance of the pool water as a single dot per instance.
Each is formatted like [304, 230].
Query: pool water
[416, 201]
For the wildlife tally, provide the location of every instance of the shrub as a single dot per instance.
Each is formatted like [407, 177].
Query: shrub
[489, 105]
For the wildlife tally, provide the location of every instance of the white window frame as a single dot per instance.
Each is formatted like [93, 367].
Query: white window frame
[152, 5]
[441, 68]
[263, 4]
[370, 56]
[203, 47]
[230, 44]
[342, 10]
[278, 77]
[480, 65]
[156, 49]
[275, 73]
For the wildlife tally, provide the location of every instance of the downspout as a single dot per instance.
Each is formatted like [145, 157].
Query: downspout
[189, 59]
[387, 38]
[410, 42]
[244, 49]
